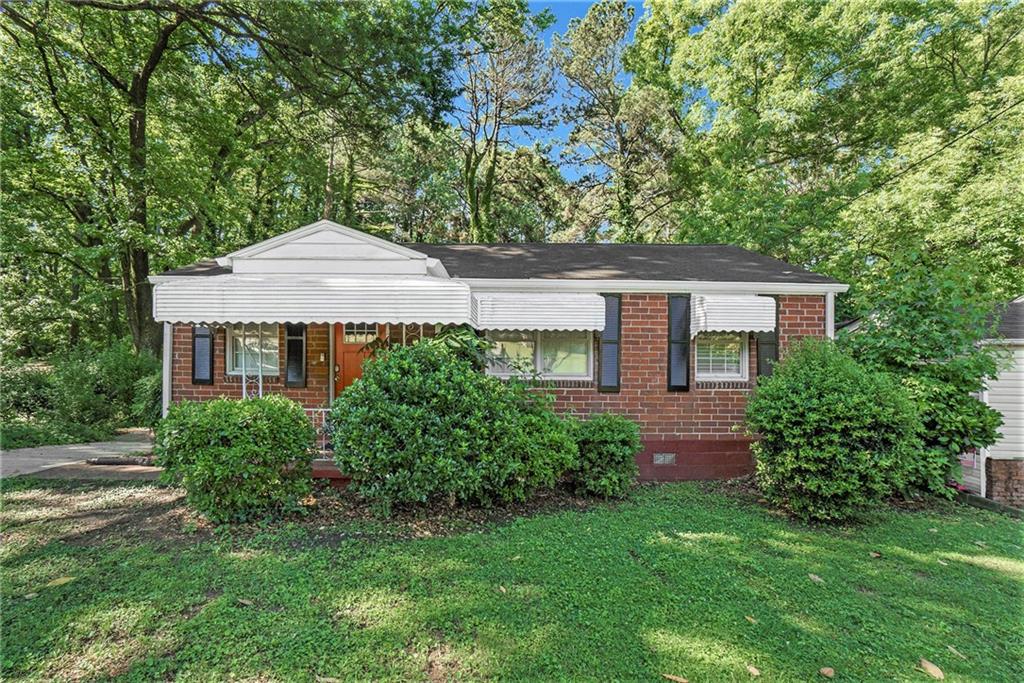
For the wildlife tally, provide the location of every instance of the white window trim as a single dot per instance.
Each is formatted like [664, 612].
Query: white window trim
[229, 352]
[744, 374]
[538, 357]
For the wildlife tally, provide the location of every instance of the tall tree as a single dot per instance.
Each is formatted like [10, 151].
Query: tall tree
[615, 128]
[795, 118]
[119, 94]
[506, 81]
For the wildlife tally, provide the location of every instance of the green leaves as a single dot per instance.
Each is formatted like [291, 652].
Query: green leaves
[238, 459]
[425, 425]
[835, 437]
[608, 446]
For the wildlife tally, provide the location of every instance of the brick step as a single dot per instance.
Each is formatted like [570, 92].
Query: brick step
[324, 468]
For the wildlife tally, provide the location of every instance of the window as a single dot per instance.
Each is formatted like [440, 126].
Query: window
[551, 354]
[202, 355]
[722, 356]
[678, 343]
[359, 333]
[246, 343]
[608, 379]
[295, 355]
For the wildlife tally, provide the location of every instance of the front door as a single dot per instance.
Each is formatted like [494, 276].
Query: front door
[350, 340]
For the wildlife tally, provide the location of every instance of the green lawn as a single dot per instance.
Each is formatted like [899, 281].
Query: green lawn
[663, 584]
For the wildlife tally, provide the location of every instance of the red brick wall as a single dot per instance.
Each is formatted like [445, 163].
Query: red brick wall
[702, 427]
[1005, 481]
[313, 395]
[800, 316]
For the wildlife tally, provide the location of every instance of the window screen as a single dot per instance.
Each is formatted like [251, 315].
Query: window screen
[721, 355]
[295, 350]
[678, 343]
[202, 355]
[248, 344]
[611, 339]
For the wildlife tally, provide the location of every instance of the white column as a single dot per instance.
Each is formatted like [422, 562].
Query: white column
[830, 315]
[167, 359]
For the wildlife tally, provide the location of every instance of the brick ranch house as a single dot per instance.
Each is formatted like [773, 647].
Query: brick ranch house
[672, 336]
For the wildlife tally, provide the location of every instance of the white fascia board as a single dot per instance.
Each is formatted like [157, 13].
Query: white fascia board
[298, 233]
[649, 286]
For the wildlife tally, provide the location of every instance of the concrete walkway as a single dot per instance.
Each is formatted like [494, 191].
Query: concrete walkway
[40, 458]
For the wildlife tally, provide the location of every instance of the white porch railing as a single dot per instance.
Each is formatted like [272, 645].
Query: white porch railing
[321, 423]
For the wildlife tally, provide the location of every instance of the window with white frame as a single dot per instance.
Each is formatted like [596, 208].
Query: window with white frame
[721, 356]
[247, 344]
[553, 355]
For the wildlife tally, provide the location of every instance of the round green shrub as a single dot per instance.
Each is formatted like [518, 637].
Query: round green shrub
[238, 459]
[423, 425]
[834, 436]
[608, 445]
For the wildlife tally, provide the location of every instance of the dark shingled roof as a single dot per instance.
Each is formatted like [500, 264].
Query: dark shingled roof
[208, 267]
[574, 261]
[709, 262]
[1011, 320]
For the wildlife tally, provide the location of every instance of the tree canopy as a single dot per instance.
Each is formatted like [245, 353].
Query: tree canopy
[140, 135]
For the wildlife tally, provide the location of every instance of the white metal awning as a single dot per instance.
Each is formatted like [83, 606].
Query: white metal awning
[722, 313]
[278, 299]
[554, 311]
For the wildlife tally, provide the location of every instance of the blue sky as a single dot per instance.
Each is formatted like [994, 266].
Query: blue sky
[563, 13]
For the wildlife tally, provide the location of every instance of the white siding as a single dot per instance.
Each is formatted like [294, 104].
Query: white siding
[712, 313]
[1006, 394]
[553, 311]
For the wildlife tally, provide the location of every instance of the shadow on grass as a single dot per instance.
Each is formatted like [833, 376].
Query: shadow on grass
[661, 585]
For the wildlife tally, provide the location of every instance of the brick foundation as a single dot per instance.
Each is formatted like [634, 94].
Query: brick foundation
[697, 433]
[1005, 481]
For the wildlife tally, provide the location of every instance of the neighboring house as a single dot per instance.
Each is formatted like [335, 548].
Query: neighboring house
[672, 336]
[997, 472]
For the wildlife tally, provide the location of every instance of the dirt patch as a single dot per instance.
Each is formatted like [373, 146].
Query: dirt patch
[88, 513]
[93, 513]
[335, 517]
[441, 663]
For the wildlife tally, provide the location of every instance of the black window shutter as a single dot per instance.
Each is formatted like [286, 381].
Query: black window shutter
[768, 347]
[679, 342]
[202, 355]
[295, 352]
[767, 352]
[611, 337]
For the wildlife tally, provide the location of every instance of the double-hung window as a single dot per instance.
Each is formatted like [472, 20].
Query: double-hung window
[722, 356]
[251, 345]
[552, 355]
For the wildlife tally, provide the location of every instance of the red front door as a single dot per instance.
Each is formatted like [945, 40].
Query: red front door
[350, 340]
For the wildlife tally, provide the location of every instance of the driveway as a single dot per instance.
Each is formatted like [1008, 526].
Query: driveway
[33, 460]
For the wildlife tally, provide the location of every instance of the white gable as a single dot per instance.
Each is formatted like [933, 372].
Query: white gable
[325, 247]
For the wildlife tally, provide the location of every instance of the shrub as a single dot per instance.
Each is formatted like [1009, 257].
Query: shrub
[43, 431]
[608, 445]
[91, 387]
[24, 390]
[147, 403]
[834, 436]
[924, 323]
[422, 425]
[238, 459]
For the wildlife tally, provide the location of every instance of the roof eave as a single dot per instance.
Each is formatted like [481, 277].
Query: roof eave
[654, 286]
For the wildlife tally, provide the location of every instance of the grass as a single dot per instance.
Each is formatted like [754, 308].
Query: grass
[661, 584]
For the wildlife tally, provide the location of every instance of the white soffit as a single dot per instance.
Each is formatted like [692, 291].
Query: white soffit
[522, 311]
[722, 313]
[269, 299]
